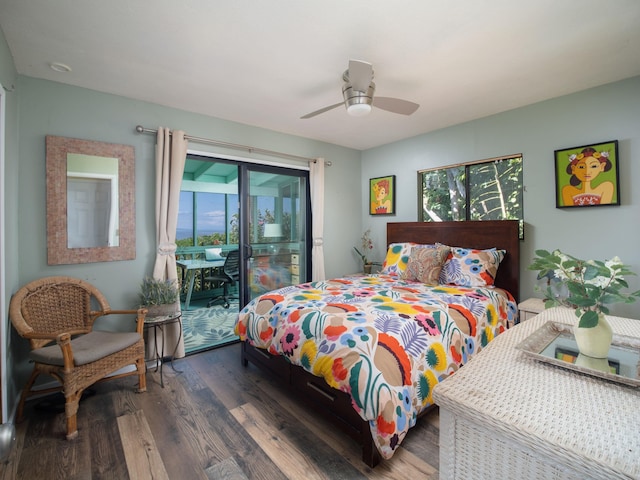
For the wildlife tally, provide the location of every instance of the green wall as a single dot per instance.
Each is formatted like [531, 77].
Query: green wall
[610, 112]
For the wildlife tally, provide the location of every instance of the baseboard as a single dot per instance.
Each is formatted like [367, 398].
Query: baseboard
[8, 432]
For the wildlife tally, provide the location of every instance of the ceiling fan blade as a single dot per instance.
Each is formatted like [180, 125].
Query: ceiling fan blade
[360, 75]
[395, 105]
[322, 110]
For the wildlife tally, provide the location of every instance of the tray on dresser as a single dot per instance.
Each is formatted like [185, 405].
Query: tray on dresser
[555, 344]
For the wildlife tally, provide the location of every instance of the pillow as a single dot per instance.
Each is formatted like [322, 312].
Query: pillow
[428, 245]
[425, 264]
[467, 267]
[212, 253]
[397, 257]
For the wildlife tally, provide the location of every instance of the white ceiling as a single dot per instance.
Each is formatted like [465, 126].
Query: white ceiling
[267, 63]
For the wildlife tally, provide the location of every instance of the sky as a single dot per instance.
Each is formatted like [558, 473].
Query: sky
[211, 215]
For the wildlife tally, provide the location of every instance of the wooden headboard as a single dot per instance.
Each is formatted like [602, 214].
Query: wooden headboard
[501, 234]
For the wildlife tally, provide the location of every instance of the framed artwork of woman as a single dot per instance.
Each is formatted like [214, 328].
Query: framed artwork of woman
[587, 176]
[382, 195]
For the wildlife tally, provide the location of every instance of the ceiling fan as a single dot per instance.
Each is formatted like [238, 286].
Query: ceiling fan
[358, 93]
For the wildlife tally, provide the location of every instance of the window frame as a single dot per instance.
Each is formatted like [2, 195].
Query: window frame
[468, 183]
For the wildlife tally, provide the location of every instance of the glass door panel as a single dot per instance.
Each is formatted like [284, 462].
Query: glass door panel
[207, 231]
[277, 207]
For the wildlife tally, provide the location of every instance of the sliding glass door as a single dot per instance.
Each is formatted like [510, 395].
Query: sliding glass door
[276, 222]
[262, 212]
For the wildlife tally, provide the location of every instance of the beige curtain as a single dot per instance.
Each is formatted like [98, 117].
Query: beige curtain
[316, 178]
[171, 154]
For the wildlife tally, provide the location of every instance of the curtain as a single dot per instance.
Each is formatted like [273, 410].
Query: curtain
[171, 154]
[316, 177]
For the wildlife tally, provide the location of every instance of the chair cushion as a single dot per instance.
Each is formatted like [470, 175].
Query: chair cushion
[87, 348]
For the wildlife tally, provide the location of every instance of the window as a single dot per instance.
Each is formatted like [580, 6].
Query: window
[205, 219]
[485, 190]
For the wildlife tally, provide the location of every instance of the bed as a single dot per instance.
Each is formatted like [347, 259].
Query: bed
[368, 350]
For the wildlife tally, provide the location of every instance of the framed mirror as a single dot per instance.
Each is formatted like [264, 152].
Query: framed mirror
[90, 201]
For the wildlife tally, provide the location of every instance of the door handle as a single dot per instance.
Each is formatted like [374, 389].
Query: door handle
[249, 251]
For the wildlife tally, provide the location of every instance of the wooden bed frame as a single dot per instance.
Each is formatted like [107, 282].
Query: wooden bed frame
[336, 405]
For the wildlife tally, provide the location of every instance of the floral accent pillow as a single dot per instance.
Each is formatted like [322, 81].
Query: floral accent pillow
[397, 258]
[467, 267]
[425, 264]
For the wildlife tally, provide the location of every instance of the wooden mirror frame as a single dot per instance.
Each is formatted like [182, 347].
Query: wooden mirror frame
[58, 252]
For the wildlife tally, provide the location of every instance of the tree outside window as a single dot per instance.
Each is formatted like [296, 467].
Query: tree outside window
[485, 190]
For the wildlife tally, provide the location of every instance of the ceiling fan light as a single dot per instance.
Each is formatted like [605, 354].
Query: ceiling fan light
[358, 103]
[359, 109]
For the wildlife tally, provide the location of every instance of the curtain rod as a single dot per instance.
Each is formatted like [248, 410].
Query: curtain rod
[207, 141]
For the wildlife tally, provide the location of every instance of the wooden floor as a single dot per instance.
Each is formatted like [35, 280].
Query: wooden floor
[214, 420]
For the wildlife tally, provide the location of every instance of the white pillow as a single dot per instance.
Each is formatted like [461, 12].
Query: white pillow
[213, 253]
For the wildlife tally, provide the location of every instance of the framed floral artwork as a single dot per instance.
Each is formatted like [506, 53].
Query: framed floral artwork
[382, 195]
[587, 176]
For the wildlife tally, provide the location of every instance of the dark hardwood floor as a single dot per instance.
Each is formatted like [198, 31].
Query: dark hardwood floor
[214, 420]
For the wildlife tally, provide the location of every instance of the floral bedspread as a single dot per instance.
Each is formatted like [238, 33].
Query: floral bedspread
[384, 341]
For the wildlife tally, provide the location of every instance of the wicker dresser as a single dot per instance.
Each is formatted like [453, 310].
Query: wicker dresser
[506, 415]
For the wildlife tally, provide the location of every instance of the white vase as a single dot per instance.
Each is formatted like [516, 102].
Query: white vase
[595, 341]
[601, 364]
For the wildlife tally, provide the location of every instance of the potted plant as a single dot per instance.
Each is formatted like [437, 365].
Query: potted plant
[587, 287]
[159, 297]
[367, 245]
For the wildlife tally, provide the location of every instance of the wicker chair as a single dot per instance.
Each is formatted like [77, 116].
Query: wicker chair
[60, 311]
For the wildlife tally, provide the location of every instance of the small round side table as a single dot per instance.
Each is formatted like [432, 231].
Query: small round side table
[159, 323]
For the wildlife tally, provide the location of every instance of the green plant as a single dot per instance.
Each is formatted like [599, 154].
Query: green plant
[367, 245]
[158, 292]
[588, 285]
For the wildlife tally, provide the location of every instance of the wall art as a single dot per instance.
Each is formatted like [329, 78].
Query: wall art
[587, 176]
[382, 195]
